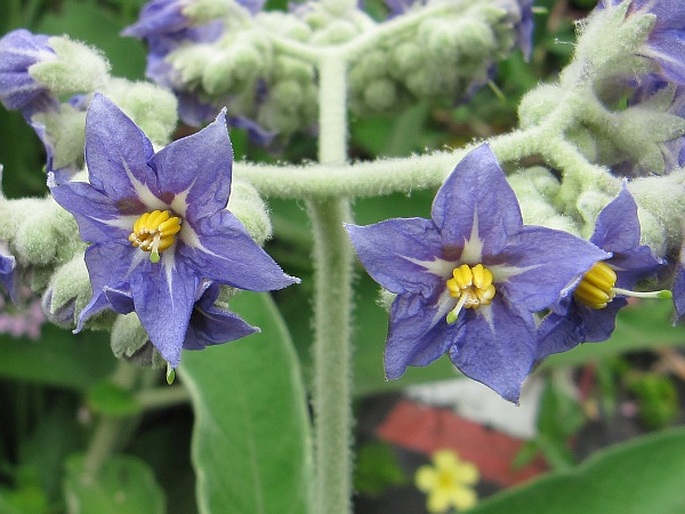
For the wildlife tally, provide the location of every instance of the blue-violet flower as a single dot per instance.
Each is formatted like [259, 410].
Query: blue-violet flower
[159, 226]
[469, 280]
[19, 50]
[587, 312]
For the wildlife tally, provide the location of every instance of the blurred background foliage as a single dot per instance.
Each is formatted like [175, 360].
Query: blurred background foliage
[50, 388]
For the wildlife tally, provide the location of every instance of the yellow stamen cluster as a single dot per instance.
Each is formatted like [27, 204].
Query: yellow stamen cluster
[596, 288]
[154, 232]
[472, 286]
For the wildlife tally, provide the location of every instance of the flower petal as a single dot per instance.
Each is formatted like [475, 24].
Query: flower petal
[559, 333]
[417, 334]
[108, 267]
[497, 349]
[477, 204]
[8, 271]
[210, 324]
[617, 228]
[539, 263]
[679, 287]
[99, 220]
[222, 250]
[164, 296]
[117, 152]
[198, 167]
[402, 255]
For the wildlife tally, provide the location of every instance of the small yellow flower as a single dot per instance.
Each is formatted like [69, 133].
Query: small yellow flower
[448, 483]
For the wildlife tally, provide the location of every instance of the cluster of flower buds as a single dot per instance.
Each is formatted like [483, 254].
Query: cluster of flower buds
[629, 65]
[262, 64]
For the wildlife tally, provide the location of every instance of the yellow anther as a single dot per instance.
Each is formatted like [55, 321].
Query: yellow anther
[596, 288]
[472, 286]
[155, 232]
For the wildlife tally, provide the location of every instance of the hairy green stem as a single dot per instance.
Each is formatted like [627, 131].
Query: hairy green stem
[162, 397]
[363, 179]
[106, 436]
[332, 399]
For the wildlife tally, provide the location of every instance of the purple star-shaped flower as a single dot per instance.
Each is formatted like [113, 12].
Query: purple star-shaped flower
[19, 50]
[572, 319]
[158, 225]
[469, 280]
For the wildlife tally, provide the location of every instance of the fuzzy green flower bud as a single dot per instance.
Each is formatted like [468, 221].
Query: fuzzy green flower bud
[191, 62]
[68, 293]
[153, 108]
[535, 188]
[640, 133]
[78, 68]
[66, 131]
[129, 341]
[662, 202]
[287, 94]
[246, 204]
[46, 235]
[609, 45]
[204, 11]
[339, 31]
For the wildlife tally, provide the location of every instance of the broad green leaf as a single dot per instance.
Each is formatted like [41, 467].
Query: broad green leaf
[124, 484]
[643, 476]
[59, 358]
[251, 444]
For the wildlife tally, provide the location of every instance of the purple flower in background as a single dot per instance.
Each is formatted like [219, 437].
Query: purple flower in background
[164, 26]
[469, 280]
[587, 312]
[524, 28]
[19, 50]
[159, 227]
[8, 266]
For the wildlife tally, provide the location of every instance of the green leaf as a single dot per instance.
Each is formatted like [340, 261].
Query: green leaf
[251, 443]
[124, 484]
[643, 476]
[59, 358]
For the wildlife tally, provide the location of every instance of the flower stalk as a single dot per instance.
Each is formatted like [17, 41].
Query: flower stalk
[332, 306]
